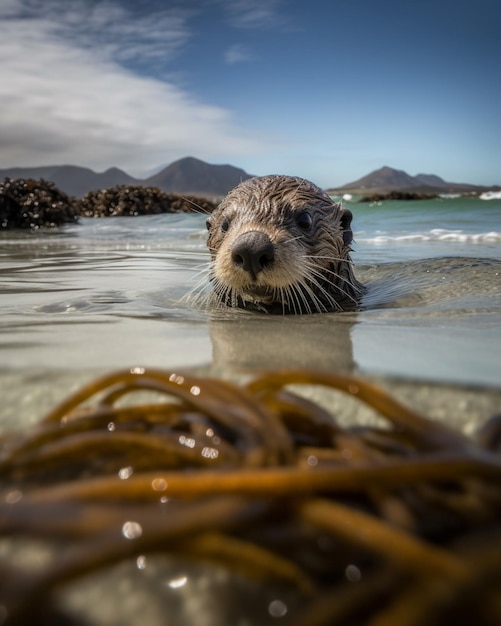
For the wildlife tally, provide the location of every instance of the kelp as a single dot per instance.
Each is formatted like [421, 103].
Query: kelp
[254, 478]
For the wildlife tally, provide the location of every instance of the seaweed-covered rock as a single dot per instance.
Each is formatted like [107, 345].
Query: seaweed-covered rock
[29, 203]
[130, 200]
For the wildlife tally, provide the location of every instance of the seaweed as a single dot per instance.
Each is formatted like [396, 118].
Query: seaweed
[256, 473]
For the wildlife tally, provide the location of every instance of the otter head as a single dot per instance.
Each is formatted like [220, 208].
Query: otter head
[279, 243]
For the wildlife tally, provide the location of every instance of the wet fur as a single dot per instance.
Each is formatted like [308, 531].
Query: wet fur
[311, 270]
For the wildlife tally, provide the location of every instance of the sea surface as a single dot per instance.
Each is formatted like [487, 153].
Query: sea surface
[112, 293]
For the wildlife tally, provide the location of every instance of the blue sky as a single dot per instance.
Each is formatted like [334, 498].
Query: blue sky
[328, 90]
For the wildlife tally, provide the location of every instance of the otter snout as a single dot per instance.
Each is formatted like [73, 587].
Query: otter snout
[253, 251]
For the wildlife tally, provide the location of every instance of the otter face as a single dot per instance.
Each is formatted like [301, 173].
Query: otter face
[280, 243]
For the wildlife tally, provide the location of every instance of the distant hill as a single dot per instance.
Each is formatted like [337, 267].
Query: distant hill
[186, 176]
[388, 179]
[72, 179]
[431, 180]
[385, 177]
[193, 176]
[190, 176]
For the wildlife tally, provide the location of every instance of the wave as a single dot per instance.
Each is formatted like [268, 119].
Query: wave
[436, 234]
[490, 195]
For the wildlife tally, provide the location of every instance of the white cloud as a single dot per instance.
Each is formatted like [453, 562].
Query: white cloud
[254, 13]
[68, 93]
[238, 54]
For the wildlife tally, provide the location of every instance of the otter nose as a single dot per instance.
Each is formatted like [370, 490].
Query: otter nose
[253, 251]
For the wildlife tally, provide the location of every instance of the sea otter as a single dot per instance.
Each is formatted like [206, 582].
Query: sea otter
[280, 244]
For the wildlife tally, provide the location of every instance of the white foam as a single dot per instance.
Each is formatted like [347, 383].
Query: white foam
[436, 234]
[490, 195]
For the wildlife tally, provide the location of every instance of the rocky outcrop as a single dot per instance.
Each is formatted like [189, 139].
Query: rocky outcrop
[28, 203]
[131, 200]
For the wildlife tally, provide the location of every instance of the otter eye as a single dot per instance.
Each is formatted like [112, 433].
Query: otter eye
[225, 224]
[304, 220]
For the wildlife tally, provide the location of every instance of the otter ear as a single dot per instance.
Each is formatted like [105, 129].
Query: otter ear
[346, 217]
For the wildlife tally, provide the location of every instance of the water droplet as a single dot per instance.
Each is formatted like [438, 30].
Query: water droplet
[176, 583]
[159, 484]
[189, 442]
[13, 496]
[125, 472]
[132, 530]
[210, 453]
[277, 608]
[141, 562]
[353, 574]
[176, 378]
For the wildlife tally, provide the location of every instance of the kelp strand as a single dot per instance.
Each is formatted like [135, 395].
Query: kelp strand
[252, 478]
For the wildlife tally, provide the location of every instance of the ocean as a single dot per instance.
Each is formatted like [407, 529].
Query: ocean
[112, 293]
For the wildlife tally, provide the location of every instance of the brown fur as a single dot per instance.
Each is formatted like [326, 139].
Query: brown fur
[304, 265]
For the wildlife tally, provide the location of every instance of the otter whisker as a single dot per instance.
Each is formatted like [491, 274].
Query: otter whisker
[300, 291]
[196, 295]
[321, 307]
[199, 208]
[332, 259]
[319, 278]
[293, 300]
[292, 239]
[320, 275]
[308, 297]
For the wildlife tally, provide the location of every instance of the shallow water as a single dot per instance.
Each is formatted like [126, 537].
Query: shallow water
[108, 293]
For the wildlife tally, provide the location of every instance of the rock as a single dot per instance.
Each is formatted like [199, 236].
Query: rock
[29, 203]
[398, 195]
[131, 200]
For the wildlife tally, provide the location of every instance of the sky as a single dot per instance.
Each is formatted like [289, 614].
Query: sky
[329, 90]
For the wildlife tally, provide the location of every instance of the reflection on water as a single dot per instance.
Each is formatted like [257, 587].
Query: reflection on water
[246, 342]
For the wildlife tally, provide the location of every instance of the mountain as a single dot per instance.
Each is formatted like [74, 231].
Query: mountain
[388, 179]
[431, 180]
[190, 176]
[193, 176]
[72, 179]
[186, 176]
[385, 177]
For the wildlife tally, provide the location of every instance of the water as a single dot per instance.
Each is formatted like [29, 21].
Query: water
[439, 260]
[403, 230]
[107, 294]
